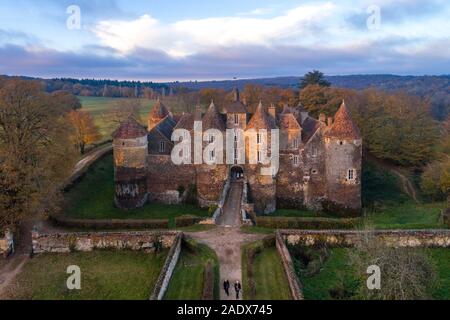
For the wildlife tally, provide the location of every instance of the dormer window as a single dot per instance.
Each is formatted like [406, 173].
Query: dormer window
[162, 146]
[295, 143]
[258, 138]
[236, 119]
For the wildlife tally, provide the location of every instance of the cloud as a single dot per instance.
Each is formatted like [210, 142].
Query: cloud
[186, 37]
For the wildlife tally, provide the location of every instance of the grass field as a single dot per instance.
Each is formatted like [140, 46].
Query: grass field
[105, 275]
[99, 107]
[337, 273]
[267, 274]
[188, 277]
[93, 198]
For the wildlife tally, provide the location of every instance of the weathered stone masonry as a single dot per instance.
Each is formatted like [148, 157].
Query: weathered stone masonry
[319, 159]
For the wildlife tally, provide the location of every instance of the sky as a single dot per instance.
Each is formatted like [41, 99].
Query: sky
[159, 40]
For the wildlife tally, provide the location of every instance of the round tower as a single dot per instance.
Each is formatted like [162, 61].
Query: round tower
[130, 147]
[343, 152]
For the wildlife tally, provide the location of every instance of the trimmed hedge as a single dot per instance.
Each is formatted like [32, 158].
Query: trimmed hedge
[306, 223]
[208, 282]
[110, 223]
[185, 221]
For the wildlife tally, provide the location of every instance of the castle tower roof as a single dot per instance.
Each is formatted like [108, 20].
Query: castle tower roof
[159, 110]
[212, 119]
[343, 126]
[261, 120]
[236, 106]
[129, 129]
[287, 120]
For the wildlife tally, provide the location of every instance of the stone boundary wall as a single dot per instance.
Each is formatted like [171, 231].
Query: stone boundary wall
[88, 241]
[347, 238]
[288, 265]
[166, 273]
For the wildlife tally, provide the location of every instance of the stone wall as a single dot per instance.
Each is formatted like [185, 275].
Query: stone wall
[88, 241]
[348, 238]
[166, 273]
[294, 284]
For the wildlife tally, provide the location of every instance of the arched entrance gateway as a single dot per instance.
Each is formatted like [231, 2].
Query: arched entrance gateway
[237, 173]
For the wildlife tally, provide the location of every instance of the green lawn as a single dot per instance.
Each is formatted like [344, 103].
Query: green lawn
[336, 273]
[267, 273]
[93, 198]
[105, 275]
[188, 277]
[408, 215]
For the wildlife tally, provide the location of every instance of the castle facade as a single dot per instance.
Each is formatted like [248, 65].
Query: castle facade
[319, 159]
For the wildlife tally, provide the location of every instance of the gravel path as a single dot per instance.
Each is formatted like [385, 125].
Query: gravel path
[227, 242]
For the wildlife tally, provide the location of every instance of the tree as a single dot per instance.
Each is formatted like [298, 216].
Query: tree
[85, 131]
[252, 94]
[431, 181]
[314, 77]
[35, 154]
[123, 109]
[406, 274]
[66, 100]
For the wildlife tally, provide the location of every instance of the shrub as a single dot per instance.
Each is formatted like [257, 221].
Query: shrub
[110, 223]
[191, 196]
[185, 221]
[337, 210]
[211, 209]
[306, 223]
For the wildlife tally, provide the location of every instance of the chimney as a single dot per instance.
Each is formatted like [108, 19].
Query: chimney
[236, 94]
[330, 121]
[322, 118]
[272, 110]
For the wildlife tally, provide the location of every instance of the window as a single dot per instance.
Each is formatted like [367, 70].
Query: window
[314, 171]
[162, 146]
[211, 138]
[235, 154]
[212, 155]
[295, 160]
[236, 119]
[351, 174]
[295, 143]
[258, 138]
[314, 152]
[259, 156]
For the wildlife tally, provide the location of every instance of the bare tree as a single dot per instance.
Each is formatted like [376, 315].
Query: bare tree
[406, 273]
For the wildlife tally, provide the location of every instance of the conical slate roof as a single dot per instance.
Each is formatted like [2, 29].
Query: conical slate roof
[159, 111]
[236, 106]
[129, 129]
[213, 119]
[343, 126]
[261, 120]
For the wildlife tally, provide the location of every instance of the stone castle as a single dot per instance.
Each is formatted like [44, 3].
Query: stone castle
[319, 159]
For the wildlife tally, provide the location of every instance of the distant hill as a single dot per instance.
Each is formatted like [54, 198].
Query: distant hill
[434, 88]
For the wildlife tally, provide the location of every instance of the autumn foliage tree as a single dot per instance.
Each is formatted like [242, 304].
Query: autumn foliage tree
[36, 156]
[85, 131]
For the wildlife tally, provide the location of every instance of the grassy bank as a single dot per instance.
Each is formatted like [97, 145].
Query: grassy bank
[188, 278]
[104, 275]
[263, 276]
[93, 198]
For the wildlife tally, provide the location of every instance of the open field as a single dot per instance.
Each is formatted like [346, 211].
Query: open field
[99, 107]
[105, 275]
[188, 278]
[336, 279]
[93, 198]
[267, 275]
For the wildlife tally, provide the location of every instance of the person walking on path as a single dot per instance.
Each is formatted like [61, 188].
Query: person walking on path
[237, 288]
[226, 287]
